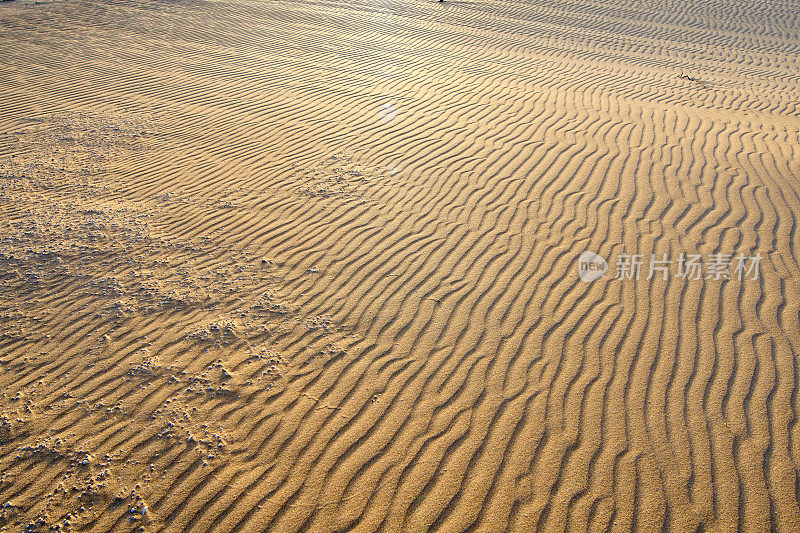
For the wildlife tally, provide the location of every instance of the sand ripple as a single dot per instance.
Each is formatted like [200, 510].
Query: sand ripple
[312, 265]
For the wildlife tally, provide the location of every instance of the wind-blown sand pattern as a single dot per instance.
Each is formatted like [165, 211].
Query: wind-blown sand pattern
[304, 265]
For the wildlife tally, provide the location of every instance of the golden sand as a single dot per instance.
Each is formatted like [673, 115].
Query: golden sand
[312, 265]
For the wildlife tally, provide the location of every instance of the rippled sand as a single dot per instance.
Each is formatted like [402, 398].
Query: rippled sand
[312, 265]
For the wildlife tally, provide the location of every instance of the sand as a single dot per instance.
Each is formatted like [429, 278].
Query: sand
[312, 265]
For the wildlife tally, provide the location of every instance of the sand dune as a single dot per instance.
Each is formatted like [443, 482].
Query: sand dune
[305, 265]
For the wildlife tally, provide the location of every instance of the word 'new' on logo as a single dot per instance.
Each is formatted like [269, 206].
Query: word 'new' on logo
[591, 266]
